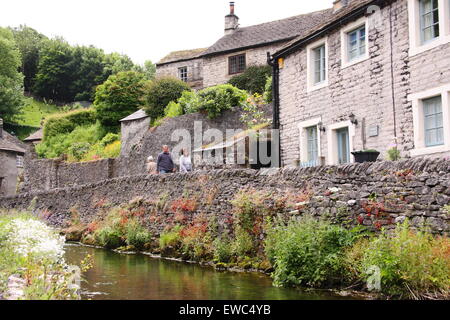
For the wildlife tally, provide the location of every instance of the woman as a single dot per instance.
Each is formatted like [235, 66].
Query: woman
[151, 165]
[185, 162]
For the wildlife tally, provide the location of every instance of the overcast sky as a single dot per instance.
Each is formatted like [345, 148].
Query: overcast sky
[145, 29]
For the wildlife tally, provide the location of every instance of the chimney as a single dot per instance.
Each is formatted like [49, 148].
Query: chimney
[1, 128]
[339, 4]
[231, 21]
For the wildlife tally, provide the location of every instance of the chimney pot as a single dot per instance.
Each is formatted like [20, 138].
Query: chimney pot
[1, 128]
[231, 21]
[339, 4]
[231, 7]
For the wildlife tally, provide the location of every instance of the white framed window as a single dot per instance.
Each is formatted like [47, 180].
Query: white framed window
[340, 142]
[183, 74]
[355, 42]
[317, 65]
[431, 117]
[429, 24]
[19, 161]
[310, 142]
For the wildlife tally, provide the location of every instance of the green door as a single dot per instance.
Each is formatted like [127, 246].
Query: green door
[343, 145]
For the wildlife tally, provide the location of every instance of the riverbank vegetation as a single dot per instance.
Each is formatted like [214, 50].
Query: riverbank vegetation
[299, 251]
[32, 265]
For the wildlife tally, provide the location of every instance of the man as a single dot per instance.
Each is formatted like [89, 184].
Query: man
[165, 164]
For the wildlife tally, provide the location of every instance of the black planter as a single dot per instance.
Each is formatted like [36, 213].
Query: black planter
[362, 156]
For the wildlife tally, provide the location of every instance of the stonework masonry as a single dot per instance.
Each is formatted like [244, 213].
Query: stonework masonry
[369, 89]
[418, 189]
[194, 69]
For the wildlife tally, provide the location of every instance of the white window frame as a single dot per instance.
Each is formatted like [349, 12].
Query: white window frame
[19, 161]
[415, 38]
[311, 85]
[302, 126]
[418, 120]
[333, 157]
[364, 21]
[181, 72]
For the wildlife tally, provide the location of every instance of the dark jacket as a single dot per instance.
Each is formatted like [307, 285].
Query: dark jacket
[165, 162]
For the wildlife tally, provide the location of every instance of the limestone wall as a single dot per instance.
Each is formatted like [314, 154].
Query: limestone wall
[373, 194]
[195, 71]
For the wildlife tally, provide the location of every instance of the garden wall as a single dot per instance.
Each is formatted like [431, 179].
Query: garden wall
[373, 194]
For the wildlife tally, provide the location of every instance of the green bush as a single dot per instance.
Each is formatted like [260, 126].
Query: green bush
[162, 91]
[222, 250]
[136, 235]
[307, 252]
[412, 264]
[170, 238]
[119, 96]
[66, 122]
[78, 150]
[243, 244]
[109, 237]
[253, 79]
[173, 110]
[268, 91]
[109, 138]
[215, 100]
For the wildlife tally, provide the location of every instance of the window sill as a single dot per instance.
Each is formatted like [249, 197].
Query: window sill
[353, 62]
[415, 50]
[429, 150]
[321, 85]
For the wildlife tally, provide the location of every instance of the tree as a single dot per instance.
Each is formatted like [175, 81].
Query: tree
[253, 80]
[29, 43]
[11, 80]
[54, 74]
[162, 91]
[149, 69]
[120, 95]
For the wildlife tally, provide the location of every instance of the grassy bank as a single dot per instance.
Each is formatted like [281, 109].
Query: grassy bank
[32, 265]
[402, 263]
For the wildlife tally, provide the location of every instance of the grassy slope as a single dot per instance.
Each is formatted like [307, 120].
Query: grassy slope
[34, 111]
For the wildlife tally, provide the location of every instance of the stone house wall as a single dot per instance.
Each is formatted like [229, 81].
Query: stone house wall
[195, 71]
[418, 189]
[215, 68]
[132, 132]
[9, 172]
[365, 89]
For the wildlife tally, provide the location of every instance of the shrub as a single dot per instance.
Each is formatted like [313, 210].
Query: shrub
[412, 264]
[173, 110]
[79, 149]
[109, 139]
[307, 252]
[268, 95]
[243, 244]
[136, 235]
[119, 96]
[222, 250]
[109, 237]
[253, 79]
[162, 91]
[394, 154]
[67, 122]
[170, 238]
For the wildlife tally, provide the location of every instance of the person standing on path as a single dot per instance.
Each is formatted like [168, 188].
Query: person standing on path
[165, 164]
[185, 162]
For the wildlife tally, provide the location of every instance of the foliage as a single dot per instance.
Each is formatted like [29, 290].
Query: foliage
[307, 252]
[170, 238]
[149, 70]
[64, 123]
[121, 95]
[412, 264]
[223, 250]
[253, 79]
[394, 154]
[196, 239]
[136, 235]
[33, 253]
[11, 81]
[173, 110]
[162, 91]
[243, 244]
[34, 111]
[253, 115]
[29, 42]
[268, 95]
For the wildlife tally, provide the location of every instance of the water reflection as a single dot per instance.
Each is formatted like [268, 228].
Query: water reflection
[139, 277]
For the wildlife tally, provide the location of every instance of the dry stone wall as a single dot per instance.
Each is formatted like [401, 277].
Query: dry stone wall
[372, 194]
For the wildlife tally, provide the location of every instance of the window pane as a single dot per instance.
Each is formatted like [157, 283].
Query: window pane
[433, 121]
[319, 64]
[312, 144]
[357, 43]
[429, 19]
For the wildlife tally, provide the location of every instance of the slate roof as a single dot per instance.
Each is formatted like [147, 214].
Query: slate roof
[140, 114]
[38, 135]
[326, 21]
[10, 143]
[269, 32]
[181, 56]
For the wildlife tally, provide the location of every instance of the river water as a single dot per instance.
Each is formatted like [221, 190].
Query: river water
[140, 277]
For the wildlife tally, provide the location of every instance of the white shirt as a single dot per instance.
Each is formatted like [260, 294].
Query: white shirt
[185, 164]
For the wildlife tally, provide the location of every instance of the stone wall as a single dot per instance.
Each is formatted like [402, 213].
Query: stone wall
[47, 174]
[132, 133]
[195, 71]
[373, 194]
[365, 89]
[9, 172]
[215, 68]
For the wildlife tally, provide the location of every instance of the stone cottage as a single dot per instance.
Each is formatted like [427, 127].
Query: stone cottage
[239, 48]
[12, 153]
[372, 75]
